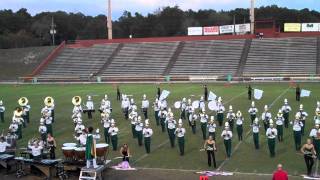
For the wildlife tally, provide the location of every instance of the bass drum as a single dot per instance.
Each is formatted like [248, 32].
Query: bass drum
[80, 153]
[102, 150]
[69, 144]
[68, 152]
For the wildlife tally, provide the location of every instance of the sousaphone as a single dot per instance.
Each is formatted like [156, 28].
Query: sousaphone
[76, 100]
[49, 101]
[23, 101]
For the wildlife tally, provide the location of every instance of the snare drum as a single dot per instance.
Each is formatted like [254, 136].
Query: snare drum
[101, 149]
[80, 153]
[68, 152]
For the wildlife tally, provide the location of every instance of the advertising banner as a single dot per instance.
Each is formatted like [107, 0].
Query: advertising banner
[242, 28]
[226, 29]
[310, 27]
[194, 31]
[292, 27]
[212, 30]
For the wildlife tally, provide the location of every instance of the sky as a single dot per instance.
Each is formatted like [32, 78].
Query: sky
[95, 7]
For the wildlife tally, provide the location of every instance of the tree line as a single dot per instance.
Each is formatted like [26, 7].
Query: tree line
[20, 29]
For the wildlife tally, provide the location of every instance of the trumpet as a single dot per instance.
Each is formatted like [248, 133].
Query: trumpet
[23, 101]
[76, 100]
[49, 101]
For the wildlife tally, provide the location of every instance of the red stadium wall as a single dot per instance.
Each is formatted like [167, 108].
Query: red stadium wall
[88, 43]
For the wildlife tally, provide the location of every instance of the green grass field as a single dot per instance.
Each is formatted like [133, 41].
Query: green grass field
[244, 159]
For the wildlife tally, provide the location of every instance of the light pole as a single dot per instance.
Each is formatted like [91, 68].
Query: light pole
[252, 17]
[109, 20]
[53, 31]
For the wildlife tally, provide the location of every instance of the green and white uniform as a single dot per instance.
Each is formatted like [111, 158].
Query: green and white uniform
[162, 116]
[171, 128]
[227, 139]
[271, 135]
[255, 133]
[203, 122]
[266, 116]
[180, 132]
[133, 119]
[113, 131]
[138, 129]
[2, 110]
[156, 109]
[303, 116]
[239, 122]
[253, 112]
[106, 125]
[212, 129]
[147, 133]
[297, 129]
[286, 111]
[220, 113]
[279, 122]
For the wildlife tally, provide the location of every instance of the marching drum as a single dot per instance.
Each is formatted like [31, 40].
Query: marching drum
[80, 153]
[69, 144]
[196, 104]
[102, 150]
[213, 105]
[177, 104]
[68, 152]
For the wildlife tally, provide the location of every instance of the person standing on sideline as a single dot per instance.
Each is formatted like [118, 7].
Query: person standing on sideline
[180, 131]
[280, 174]
[298, 93]
[147, 133]
[118, 94]
[227, 138]
[210, 147]
[271, 135]
[255, 132]
[249, 92]
[309, 153]
[205, 92]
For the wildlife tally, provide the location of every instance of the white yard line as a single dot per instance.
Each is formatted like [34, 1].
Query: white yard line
[248, 132]
[197, 170]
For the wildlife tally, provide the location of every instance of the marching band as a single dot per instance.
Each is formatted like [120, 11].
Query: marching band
[190, 112]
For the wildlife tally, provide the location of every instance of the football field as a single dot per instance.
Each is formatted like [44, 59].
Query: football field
[244, 159]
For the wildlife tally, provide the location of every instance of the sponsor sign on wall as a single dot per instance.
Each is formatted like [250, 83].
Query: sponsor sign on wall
[242, 28]
[227, 29]
[194, 31]
[310, 27]
[292, 27]
[211, 30]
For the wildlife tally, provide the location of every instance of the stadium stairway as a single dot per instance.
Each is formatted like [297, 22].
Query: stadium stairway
[110, 59]
[318, 55]
[244, 56]
[174, 58]
[282, 56]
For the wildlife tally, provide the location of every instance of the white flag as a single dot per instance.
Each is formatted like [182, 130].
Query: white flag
[212, 96]
[164, 95]
[305, 93]
[258, 94]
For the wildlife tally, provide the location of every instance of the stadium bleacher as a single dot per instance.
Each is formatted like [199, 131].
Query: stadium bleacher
[281, 56]
[269, 56]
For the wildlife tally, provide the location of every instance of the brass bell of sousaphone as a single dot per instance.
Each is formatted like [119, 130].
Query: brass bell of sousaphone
[76, 100]
[23, 101]
[49, 101]
[18, 112]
